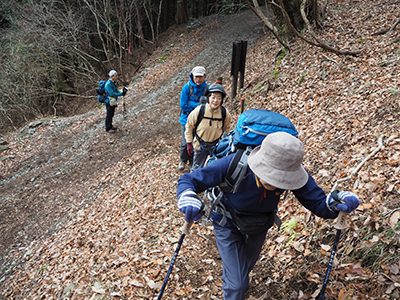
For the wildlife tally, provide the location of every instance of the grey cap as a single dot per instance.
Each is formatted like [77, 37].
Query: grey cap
[216, 87]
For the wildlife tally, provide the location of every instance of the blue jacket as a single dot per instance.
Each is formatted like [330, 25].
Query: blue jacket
[249, 199]
[187, 105]
[111, 90]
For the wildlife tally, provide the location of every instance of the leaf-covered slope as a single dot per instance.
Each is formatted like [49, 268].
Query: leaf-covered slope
[121, 245]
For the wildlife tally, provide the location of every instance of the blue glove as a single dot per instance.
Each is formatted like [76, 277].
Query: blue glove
[336, 198]
[191, 205]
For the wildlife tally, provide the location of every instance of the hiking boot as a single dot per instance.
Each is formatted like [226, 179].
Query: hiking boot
[111, 131]
[181, 165]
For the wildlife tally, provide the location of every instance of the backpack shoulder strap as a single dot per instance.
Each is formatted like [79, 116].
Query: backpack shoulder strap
[223, 113]
[199, 117]
[236, 171]
[204, 92]
[191, 90]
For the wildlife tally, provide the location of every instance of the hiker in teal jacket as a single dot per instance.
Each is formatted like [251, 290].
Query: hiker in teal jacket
[188, 102]
[273, 167]
[112, 94]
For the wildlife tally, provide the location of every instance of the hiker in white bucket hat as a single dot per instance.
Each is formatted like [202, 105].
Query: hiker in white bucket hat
[241, 220]
[278, 162]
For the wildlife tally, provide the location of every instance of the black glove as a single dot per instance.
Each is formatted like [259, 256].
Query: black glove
[124, 91]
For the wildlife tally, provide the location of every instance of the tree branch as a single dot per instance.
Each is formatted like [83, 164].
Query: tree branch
[318, 43]
[387, 30]
[257, 10]
[380, 143]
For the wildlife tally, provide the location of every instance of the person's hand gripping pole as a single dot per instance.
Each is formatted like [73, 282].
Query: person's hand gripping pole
[344, 202]
[185, 230]
[193, 208]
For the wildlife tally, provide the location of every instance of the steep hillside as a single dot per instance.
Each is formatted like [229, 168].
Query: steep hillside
[86, 215]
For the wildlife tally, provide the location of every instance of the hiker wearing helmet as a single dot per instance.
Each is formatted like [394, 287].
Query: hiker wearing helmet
[112, 94]
[190, 99]
[206, 125]
[273, 167]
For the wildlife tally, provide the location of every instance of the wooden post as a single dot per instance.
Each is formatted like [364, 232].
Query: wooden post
[235, 68]
[238, 65]
[243, 51]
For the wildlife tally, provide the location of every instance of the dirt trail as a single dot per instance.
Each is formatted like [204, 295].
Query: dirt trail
[60, 165]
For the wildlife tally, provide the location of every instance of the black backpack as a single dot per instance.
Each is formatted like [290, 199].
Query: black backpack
[203, 98]
[201, 116]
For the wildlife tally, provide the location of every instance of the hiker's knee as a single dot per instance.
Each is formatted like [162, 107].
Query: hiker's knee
[235, 290]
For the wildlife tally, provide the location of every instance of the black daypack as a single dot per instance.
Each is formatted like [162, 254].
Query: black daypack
[101, 92]
[203, 99]
[201, 116]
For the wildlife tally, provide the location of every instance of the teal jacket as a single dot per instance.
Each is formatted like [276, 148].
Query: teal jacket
[111, 90]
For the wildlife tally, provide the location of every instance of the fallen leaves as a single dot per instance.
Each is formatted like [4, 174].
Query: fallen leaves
[122, 244]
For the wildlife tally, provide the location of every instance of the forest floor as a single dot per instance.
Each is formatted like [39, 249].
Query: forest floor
[90, 215]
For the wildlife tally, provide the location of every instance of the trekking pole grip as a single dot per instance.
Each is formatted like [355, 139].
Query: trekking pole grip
[186, 227]
[341, 221]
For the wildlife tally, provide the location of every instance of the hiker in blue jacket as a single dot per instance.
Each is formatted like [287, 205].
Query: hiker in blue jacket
[190, 99]
[112, 94]
[273, 167]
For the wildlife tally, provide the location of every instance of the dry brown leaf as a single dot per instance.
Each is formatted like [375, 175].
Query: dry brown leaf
[326, 247]
[394, 218]
[136, 283]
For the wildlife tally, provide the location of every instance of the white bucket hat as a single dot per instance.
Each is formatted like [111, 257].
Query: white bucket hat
[278, 161]
[199, 71]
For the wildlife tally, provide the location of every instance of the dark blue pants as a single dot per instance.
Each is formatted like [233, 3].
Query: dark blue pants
[239, 255]
[200, 157]
[109, 116]
[185, 157]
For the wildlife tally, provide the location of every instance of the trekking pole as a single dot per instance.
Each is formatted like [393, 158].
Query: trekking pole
[341, 219]
[124, 109]
[339, 225]
[185, 230]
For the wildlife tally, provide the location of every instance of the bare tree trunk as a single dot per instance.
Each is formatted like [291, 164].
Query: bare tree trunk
[205, 7]
[292, 9]
[139, 24]
[166, 14]
[272, 28]
[314, 10]
[159, 16]
[149, 14]
[317, 42]
[99, 33]
[121, 32]
[181, 13]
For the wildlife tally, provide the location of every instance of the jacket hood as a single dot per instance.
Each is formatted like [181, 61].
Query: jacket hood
[191, 82]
